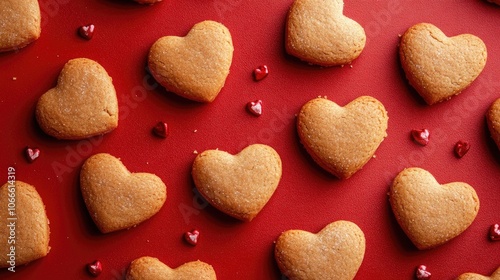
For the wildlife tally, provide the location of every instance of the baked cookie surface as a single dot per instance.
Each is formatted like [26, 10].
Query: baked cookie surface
[437, 66]
[20, 22]
[318, 32]
[149, 268]
[31, 225]
[83, 103]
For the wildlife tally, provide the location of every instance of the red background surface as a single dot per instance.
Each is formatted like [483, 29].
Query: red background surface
[307, 197]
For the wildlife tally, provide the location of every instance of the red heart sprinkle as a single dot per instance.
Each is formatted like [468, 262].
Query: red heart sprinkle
[95, 268]
[192, 237]
[260, 72]
[461, 148]
[422, 273]
[161, 129]
[32, 154]
[255, 107]
[421, 136]
[495, 232]
[86, 31]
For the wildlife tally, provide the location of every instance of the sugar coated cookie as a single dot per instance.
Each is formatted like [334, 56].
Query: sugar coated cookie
[25, 234]
[342, 139]
[20, 23]
[437, 66]
[148, 268]
[475, 276]
[238, 185]
[195, 66]
[318, 32]
[336, 252]
[117, 199]
[429, 213]
[83, 103]
[493, 120]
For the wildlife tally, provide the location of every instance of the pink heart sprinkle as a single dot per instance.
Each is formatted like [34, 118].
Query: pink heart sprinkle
[255, 107]
[461, 148]
[86, 31]
[161, 129]
[192, 237]
[32, 154]
[260, 72]
[495, 232]
[422, 273]
[421, 136]
[95, 268]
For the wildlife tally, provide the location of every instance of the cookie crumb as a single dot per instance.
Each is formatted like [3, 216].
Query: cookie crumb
[14, 78]
[196, 130]
[195, 152]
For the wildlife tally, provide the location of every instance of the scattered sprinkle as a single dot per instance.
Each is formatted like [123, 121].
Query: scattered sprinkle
[95, 268]
[461, 148]
[255, 107]
[32, 154]
[260, 72]
[191, 237]
[422, 273]
[421, 136]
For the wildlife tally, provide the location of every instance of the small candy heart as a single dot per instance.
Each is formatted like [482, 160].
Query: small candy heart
[260, 72]
[421, 136]
[86, 31]
[191, 237]
[161, 129]
[422, 273]
[461, 148]
[255, 107]
[32, 154]
[495, 232]
[95, 268]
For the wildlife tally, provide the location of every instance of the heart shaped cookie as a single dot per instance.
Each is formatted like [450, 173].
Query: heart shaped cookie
[493, 120]
[429, 213]
[26, 232]
[342, 139]
[336, 252]
[238, 185]
[20, 22]
[195, 66]
[83, 104]
[319, 33]
[117, 199]
[437, 66]
[147, 268]
[475, 276]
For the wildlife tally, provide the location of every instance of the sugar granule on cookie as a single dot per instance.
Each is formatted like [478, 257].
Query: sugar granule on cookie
[20, 23]
[336, 252]
[239, 185]
[430, 213]
[116, 198]
[195, 66]
[342, 139]
[437, 66]
[317, 32]
[82, 104]
[152, 268]
[26, 223]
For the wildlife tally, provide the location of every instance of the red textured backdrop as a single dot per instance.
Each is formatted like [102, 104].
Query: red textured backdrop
[307, 198]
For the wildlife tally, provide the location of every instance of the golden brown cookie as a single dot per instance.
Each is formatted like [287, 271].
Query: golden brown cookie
[437, 66]
[336, 252]
[342, 139]
[83, 103]
[19, 23]
[148, 268]
[318, 32]
[238, 185]
[117, 199]
[195, 66]
[25, 233]
[493, 120]
[475, 276]
[429, 213]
